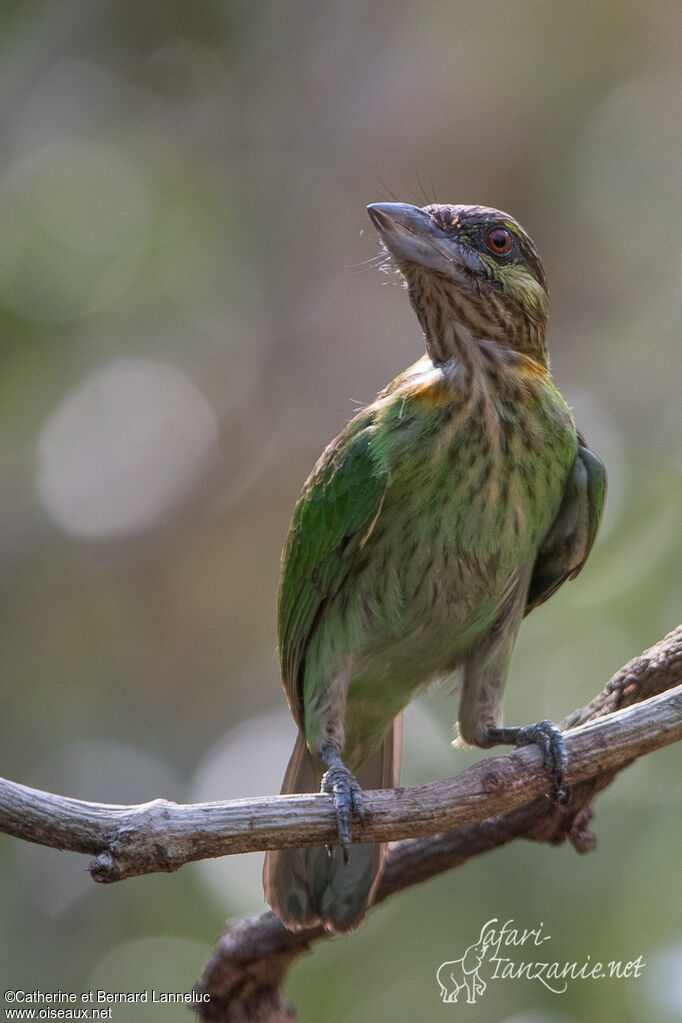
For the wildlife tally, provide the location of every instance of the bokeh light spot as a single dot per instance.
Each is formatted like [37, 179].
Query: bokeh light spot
[124, 448]
[248, 761]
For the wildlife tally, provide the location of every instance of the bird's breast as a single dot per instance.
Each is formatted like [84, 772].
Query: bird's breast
[476, 479]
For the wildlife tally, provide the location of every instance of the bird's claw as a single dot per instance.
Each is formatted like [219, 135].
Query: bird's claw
[340, 784]
[548, 737]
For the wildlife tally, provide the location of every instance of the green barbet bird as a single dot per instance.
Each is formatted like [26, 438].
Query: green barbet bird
[444, 512]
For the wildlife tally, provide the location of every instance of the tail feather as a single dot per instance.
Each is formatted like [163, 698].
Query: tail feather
[308, 887]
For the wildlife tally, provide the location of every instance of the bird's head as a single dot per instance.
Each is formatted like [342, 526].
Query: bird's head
[471, 272]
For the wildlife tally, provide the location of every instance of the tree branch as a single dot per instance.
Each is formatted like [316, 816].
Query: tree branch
[244, 975]
[485, 806]
[161, 835]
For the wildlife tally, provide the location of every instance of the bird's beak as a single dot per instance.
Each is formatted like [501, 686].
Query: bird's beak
[411, 235]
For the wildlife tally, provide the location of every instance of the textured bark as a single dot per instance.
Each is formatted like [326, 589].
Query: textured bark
[161, 835]
[482, 808]
[244, 975]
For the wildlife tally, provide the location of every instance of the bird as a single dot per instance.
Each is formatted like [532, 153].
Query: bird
[446, 510]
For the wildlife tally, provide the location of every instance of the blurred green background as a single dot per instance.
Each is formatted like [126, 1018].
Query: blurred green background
[186, 322]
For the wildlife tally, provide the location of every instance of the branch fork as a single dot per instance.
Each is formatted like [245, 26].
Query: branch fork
[438, 826]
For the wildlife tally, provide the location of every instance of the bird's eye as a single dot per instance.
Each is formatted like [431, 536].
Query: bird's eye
[499, 241]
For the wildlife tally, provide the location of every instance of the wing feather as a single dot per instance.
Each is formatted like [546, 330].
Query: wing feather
[569, 541]
[333, 519]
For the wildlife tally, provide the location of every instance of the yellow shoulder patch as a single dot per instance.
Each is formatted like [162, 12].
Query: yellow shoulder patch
[433, 392]
[529, 367]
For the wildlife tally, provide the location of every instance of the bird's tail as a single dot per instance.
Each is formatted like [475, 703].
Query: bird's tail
[308, 887]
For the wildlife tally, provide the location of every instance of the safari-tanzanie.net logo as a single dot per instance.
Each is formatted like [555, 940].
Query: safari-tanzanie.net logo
[507, 952]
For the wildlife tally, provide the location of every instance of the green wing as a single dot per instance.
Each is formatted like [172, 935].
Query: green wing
[565, 549]
[334, 516]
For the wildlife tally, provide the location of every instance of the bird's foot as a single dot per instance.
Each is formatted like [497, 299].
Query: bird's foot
[550, 740]
[340, 784]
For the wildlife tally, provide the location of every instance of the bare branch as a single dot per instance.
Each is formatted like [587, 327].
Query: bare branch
[491, 803]
[161, 835]
[245, 972]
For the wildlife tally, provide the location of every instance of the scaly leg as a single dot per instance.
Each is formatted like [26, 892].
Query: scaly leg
[480, 710]
[339, 783]
[550, 740]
